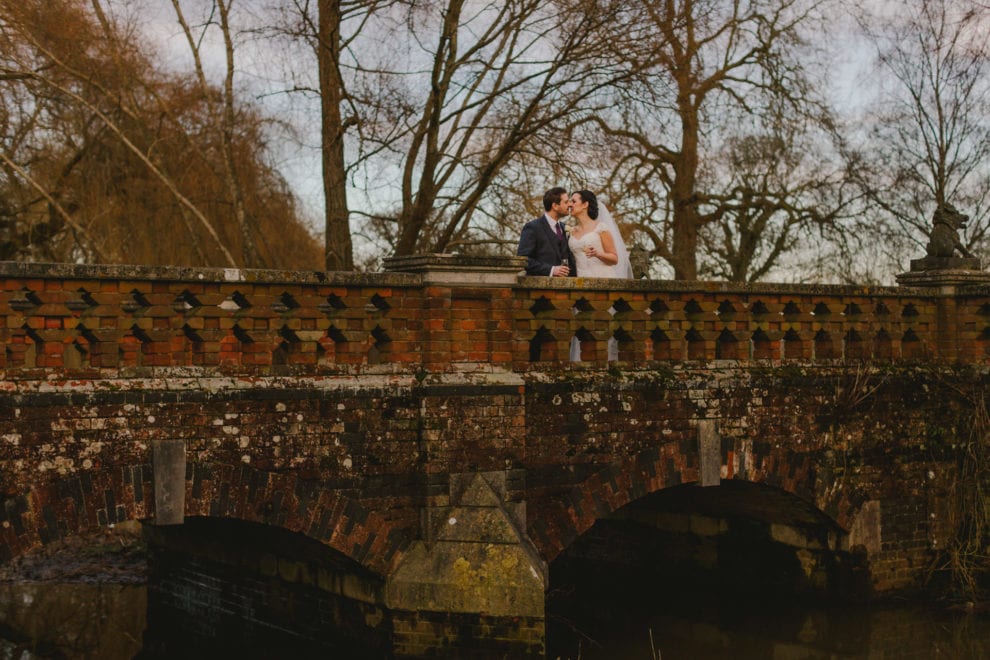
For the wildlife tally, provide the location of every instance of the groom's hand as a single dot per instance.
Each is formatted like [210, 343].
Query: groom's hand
[560, 271]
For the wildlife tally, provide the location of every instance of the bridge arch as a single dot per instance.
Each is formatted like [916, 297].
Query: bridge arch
[562, 520]
[645, 526]
[226, 586]
[286, 501]
[98, 497]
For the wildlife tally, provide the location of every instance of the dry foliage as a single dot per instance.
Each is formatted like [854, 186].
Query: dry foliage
[106, 158]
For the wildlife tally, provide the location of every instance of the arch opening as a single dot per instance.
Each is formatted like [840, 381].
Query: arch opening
[688, 553]
[235, 587]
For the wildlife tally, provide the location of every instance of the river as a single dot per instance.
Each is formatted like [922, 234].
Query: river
[107, 622]
[724, 630]
[91, 602]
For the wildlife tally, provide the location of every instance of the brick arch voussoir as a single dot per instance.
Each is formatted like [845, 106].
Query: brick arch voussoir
[74, 504]
[796, 472]
[89, 500]
[298, 505]
[559, 521]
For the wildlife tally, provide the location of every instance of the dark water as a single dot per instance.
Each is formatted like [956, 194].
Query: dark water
[73, 620]
[738, 630]
[108, 622]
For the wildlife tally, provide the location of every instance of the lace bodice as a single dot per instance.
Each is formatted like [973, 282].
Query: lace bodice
[592, 267]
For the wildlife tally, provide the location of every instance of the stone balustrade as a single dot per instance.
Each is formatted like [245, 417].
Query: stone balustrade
[445, 313]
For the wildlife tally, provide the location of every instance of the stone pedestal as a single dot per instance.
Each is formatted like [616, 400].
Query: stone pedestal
[945, 263]
[943, 272]
[474, 582]
[947, 275]
[460, 270]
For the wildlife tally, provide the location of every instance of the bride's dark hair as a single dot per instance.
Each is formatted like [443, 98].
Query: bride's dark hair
[589, 197]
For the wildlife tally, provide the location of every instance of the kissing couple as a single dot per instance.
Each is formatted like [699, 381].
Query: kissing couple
[593, 248]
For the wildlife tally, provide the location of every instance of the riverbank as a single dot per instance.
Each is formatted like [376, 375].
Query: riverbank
[83, 597]
[114, 555]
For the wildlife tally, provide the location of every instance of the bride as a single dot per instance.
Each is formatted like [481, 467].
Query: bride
[598, 250]
[596, 243]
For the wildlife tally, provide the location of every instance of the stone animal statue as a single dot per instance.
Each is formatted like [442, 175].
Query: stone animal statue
[944, 239]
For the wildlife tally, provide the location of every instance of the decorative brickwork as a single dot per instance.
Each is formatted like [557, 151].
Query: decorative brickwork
[339, 405]
[250, 322]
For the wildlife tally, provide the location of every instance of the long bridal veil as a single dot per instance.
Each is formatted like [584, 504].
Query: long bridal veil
[623, 268]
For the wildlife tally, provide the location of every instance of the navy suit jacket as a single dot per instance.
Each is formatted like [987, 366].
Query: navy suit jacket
[542, 249]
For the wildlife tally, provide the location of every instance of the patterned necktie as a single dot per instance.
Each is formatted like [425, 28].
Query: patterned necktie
[560, 232]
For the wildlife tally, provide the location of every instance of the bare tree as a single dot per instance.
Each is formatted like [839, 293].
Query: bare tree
[929, 141]
[699, 61]
[471, 87]
[221, 111]
[338, 249]
[329, 28]
[780, 194]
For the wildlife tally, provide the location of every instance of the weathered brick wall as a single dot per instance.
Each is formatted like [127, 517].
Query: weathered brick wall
[339, 404]
[892, 440]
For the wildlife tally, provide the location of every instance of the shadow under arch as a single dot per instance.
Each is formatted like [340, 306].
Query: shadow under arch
[220, 586]
[704, 568]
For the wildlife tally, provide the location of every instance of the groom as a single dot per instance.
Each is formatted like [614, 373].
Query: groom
[543, 241]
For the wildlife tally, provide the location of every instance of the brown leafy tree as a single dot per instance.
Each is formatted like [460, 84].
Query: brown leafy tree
[108, 159]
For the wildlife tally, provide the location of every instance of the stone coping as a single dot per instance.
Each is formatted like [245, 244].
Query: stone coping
[942, 278]
[24, 270]
[454, 262]
[458, 270]
[735, 288]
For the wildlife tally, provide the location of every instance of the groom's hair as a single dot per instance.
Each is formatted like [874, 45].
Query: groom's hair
[588, 196]
[552, 196]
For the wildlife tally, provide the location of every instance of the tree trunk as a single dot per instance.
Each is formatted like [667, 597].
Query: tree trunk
[685, 201]
[338, 249]
[249, 251]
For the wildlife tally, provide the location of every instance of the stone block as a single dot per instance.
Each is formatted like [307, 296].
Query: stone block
[475, 559]
[793, 537]
[467, 577]
[865, 529]
[480, 524]
[707, 526]
[169, 465]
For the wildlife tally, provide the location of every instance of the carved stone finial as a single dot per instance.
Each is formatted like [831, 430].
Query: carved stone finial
[941, 265]
[947, 221]
[640, 260]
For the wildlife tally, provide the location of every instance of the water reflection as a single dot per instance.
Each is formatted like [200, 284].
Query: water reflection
[108, 621]
[75, 620]
[50, 620]
[720, 630]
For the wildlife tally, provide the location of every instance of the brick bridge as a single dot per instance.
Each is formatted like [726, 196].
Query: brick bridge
[424, 429]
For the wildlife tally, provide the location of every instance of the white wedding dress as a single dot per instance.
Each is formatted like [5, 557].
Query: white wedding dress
[594, 267]
[591, 266]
